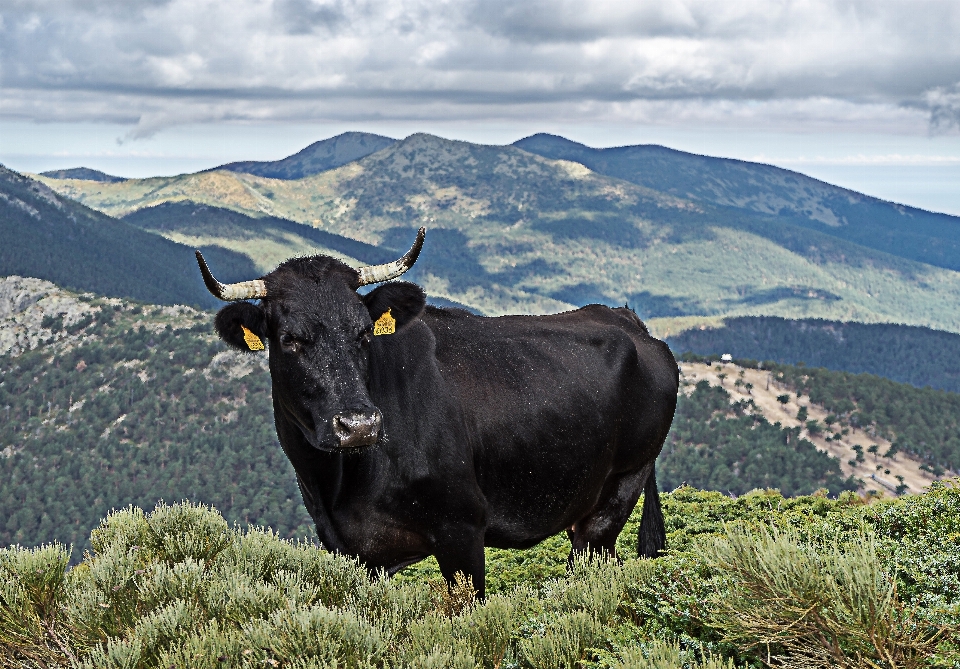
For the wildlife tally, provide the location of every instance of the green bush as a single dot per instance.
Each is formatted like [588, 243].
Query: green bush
[761, 579]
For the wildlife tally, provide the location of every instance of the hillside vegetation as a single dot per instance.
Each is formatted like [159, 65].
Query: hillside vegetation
[923, 421]
[513, 232]
[914, 355]
[792, 197]
[50, 237]
[804, 583]
[920, 421]
[717, 444]
[125, 404]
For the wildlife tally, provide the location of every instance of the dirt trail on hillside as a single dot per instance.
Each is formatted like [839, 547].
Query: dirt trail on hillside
[877, 472]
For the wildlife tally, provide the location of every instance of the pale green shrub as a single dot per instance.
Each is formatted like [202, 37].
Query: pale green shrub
[664, 655]
[32, 587]
[177, 587]
[809, 603]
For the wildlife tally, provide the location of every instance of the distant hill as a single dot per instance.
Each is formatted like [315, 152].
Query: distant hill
[792, 197]
[319, 157]
[268, 240]
[85, 173]
[51, 237]
[915, 355]
[510, 231]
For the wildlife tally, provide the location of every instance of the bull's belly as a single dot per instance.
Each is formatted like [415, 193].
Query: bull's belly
[517, 538]
[381, 543]
[523, 531]
[529, 509]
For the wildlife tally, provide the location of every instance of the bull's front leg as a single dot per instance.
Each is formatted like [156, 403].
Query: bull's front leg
[459, 548]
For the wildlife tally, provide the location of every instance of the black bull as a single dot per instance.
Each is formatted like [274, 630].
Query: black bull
[457, 431]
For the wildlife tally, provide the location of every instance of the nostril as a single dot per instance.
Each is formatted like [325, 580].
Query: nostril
[341, 427]
[357, 429]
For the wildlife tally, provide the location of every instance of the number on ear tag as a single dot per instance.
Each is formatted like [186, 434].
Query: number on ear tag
[254, 343]
[385, 325]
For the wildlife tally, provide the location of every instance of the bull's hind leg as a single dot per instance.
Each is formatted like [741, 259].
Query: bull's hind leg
[598, 531]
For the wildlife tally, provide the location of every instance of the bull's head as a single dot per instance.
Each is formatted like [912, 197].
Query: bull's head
[319, 332]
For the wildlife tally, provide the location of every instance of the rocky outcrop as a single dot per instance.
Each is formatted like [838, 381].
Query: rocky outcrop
[34, 312]
[228, 365]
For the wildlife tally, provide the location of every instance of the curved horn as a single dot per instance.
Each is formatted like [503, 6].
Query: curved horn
[230, 292]
[391, 270]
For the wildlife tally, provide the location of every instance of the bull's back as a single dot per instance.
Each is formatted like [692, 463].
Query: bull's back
[555, 405]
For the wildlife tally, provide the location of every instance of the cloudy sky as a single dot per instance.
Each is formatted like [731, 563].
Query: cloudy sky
[866, 94]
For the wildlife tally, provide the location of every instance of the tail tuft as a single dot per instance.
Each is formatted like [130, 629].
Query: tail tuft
[652, 536]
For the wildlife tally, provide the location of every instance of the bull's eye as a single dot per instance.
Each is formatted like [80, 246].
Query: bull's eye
[365, 338]
[289, 343]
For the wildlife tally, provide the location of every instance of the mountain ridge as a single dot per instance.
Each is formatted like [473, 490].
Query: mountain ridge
[510, 231]
[318, 157]
[768, 189]
[84, 173]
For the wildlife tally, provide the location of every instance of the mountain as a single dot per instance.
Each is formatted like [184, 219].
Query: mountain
[792, 197]
[51, 237]
[319, 157]
[267, 239]
[510, 231]
[85, 173]
[106, 403]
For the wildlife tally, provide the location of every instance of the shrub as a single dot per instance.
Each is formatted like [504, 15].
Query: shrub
[802, 582]
[813, 603]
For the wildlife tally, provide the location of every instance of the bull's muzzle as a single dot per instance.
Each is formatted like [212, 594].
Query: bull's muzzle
[356, 429]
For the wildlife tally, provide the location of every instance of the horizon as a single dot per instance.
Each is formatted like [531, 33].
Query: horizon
[920, 180]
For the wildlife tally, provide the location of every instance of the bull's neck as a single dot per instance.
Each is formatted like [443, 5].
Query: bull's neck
[324, 477]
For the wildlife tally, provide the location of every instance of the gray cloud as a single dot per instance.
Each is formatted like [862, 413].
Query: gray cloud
[883, 66]
[300, 17]
[944, 105]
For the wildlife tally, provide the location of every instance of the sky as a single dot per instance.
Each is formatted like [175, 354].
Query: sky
[865, 94]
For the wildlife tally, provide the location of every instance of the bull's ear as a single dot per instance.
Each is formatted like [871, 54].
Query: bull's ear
[242, 325]
[404, 302]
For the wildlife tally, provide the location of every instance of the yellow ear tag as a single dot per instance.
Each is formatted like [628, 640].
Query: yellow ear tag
[386, 324]
[253, 341]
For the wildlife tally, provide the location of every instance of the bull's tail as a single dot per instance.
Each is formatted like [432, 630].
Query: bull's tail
[652, 536]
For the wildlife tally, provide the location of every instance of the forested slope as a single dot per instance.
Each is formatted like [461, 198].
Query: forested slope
[915, 355]
[718, 445]
[51, 237]
[921, 421]
[133, 405]
[120, 403]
